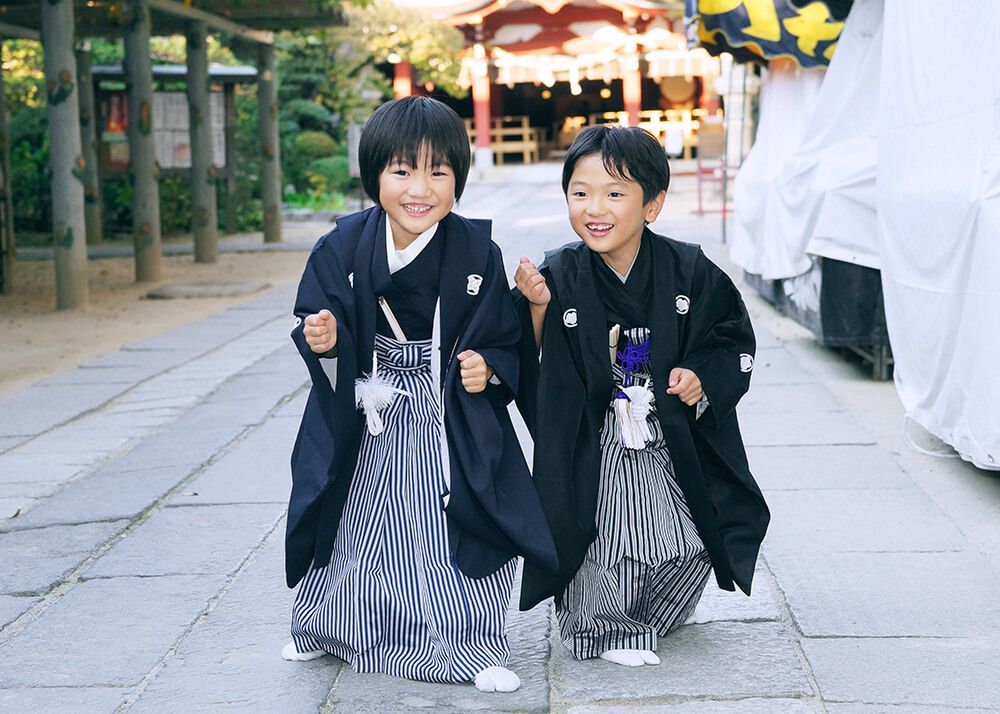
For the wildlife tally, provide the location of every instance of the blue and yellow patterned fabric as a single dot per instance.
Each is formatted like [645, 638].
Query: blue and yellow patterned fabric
[763, 30]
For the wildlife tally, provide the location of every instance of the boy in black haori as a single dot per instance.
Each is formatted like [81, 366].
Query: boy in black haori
[635, 350]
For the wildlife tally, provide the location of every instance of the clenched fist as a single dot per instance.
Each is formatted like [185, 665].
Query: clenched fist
[531, 283]
[475, 372]
[321, 331]
[686, 385]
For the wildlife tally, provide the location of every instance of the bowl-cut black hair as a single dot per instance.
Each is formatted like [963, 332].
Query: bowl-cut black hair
[628, 153]
[401, 127]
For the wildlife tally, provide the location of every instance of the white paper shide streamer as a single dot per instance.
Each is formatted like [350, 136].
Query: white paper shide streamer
[372, 394]
[631, 412]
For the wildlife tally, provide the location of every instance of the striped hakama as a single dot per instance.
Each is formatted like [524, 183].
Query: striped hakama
[647, 568]
[391, 599]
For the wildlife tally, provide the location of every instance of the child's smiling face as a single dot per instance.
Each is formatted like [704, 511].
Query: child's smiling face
[415, 197]
[607, 212]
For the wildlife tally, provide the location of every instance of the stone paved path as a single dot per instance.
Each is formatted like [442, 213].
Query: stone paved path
[142, 502]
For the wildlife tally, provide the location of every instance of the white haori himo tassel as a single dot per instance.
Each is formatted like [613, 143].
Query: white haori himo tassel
[372, 394]
[631, 412]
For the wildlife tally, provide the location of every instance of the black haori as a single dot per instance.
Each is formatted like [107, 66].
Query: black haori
[697, 320]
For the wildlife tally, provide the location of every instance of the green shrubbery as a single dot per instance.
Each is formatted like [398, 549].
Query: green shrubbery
[328, 80]
[331, 175]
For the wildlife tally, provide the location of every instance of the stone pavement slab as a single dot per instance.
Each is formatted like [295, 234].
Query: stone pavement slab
[196, 338]
[293, 408]
[777, 366]
[81, 443]
[65, 700]
[834, 708]
[66, 451]
[12, 506]
[717, 659]
[12, 606]
[787, 399]
[812, 427]
[49, 470]
[104, 633]
[890, 594]
[207, 540]
[947, 673]
[26, 489]
[255, 470]
[40, 408]
[35, 559]
[231, 661]
[123, 375]
[190, 441]
[763, 603]
[107, 494]
[381, 694]
[857, 520]
[740, 706]
[841, 466]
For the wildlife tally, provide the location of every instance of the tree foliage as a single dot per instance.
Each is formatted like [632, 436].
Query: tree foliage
[393, 34]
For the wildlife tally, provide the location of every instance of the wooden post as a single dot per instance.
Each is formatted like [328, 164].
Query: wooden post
[65, 159]
[230, 103]
[270, 151]
[88, 139]
[141, 148]
[402, 79]
[203, 202]
[481, 120]
[6, 199]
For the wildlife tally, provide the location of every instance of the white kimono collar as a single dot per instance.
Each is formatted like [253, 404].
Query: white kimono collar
[399, 259]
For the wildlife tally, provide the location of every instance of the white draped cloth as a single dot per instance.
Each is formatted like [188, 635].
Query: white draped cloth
[762, 225]
[939, 217]
[807, 188]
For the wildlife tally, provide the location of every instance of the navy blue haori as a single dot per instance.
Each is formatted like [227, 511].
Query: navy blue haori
[491, 508]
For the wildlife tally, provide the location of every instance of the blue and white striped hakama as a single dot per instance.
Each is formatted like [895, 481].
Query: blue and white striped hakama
[391, 599]
[644, 574]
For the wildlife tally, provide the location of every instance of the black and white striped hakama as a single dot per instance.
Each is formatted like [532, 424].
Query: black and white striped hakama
[392, 600]
[644, 574]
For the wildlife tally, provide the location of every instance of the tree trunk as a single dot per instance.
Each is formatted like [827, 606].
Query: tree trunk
[6, 200]
[203, 200]
[88, 137]
[230, 104]
[65, 154]
[142, 151]
[270, 162]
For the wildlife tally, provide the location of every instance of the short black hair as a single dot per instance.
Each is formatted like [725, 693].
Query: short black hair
[628, 153]
[401, 127]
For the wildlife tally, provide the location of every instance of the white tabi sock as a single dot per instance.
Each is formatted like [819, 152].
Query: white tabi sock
[627, 658]
[700, 616]
[649, 657]
[497, 679]
[293, 655]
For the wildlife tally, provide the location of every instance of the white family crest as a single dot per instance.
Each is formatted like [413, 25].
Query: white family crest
[472, 287]
[298, 321]
[746, 362]
[683, 304]
[350, 279]
[569, 317]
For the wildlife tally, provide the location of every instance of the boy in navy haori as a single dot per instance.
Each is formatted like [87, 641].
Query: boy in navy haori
[410, 495]
[636, 349]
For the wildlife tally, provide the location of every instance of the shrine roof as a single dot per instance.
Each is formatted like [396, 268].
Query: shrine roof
[460, 12]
